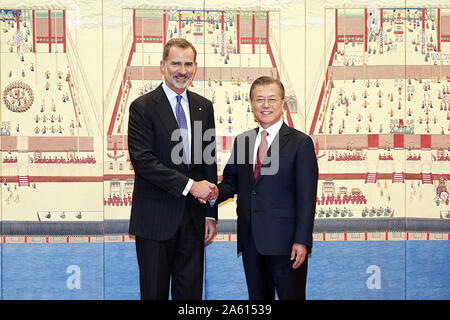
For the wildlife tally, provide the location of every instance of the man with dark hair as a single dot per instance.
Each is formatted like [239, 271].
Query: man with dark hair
[262, 81]
[165, 140]
[273, 170]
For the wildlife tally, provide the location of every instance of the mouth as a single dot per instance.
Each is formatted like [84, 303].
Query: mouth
[182, 78]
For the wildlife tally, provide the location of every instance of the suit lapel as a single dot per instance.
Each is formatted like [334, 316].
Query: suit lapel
[165, 110]
[284, 132]
[167, 116]
[250, 151]
[278, 143]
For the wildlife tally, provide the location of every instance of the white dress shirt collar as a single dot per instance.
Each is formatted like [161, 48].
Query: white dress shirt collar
[272, 130]
[171, 95]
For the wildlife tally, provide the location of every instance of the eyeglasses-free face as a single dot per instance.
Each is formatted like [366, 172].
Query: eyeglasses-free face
[179, 68]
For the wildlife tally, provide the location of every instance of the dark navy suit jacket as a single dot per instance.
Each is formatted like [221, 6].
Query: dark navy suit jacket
[280, 203]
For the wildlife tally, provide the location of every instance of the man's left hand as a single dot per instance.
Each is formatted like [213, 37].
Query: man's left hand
[299, 254]
[210, 230]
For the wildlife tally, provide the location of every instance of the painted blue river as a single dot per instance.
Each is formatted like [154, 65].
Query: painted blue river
[337, 270]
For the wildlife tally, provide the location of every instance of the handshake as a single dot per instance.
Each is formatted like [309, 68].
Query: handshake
[204, 191]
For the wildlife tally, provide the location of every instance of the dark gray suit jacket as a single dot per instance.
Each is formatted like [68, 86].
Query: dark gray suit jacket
[158, 204]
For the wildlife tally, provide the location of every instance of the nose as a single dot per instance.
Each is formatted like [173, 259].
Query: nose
[182, 69]
[266, 103]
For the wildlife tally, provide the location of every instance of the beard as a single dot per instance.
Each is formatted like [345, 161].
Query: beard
[177, 80]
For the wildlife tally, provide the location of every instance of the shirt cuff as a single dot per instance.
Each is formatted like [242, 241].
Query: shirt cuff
[188, 187]
[210, 218]
[212, 202]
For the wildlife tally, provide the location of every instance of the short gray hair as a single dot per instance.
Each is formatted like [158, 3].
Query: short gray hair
[180, 43]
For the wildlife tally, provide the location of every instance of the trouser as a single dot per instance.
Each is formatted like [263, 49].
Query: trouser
[180, 257]
[266, 274]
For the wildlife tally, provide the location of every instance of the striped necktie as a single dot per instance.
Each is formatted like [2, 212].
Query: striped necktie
[182, 124]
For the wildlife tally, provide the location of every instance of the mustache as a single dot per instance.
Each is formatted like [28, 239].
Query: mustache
[186, 75]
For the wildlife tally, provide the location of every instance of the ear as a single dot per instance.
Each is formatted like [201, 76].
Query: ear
[161, 66]
[195, 71]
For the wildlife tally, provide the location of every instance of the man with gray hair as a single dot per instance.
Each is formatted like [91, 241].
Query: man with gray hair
[166, 133]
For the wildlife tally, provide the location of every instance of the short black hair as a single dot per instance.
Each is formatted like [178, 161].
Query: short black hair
[265, 80]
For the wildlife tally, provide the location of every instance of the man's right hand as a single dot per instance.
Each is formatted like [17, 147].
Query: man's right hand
[204, 191]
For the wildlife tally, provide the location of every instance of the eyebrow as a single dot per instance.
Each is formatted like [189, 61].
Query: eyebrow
[179, 62]
[271, 96]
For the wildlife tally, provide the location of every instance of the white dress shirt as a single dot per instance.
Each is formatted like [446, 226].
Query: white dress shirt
[272, 132]
[172, 97]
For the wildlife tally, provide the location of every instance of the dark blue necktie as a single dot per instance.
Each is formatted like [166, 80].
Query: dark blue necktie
[182, 124]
